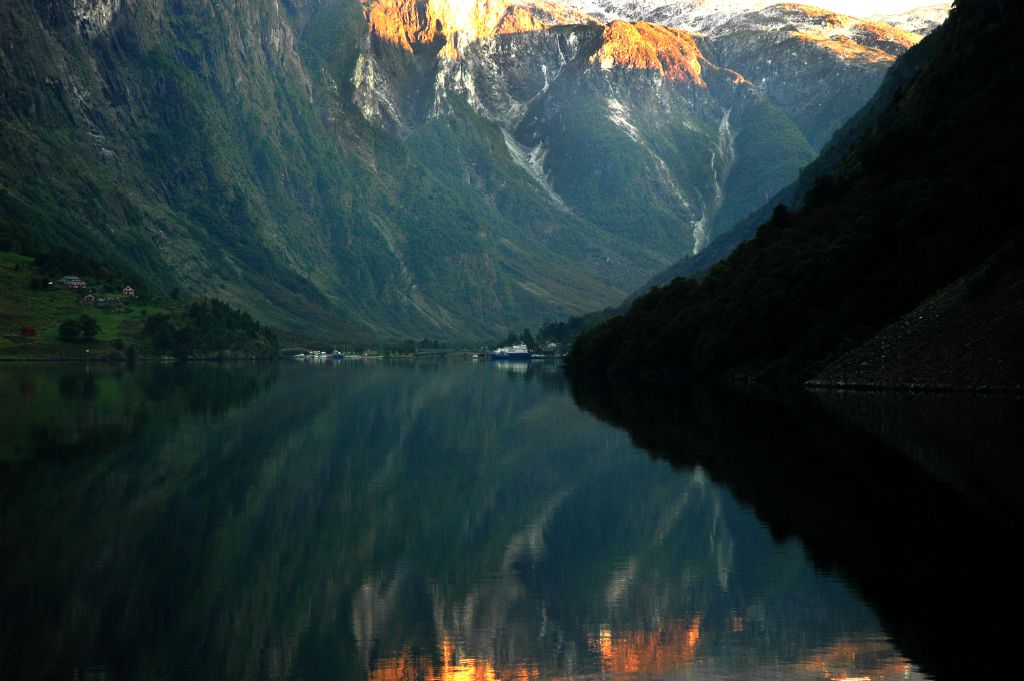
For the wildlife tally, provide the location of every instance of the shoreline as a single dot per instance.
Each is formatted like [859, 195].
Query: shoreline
[923, 388]
[813, 385]
[124, 360]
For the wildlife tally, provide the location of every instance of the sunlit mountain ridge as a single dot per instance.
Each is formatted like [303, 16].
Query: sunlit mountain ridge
[415, 22]
[459, 22]
[707, 14]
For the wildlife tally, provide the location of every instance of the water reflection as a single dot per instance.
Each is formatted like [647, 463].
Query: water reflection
[651, 653]
[671, 652]
[58, 410]
[890, 507]
[393, 522]
[969, 442]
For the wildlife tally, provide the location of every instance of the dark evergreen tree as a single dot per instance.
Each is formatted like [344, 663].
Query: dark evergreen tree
[89, 327]
[69, 330]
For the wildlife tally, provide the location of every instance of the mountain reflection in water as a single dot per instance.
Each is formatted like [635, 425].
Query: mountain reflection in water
[418, 522]
[906, 495]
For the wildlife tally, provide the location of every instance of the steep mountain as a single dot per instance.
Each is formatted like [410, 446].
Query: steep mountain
[387, 168]
[216, 146]
[919, 202]
[627, 125]
[446, 169]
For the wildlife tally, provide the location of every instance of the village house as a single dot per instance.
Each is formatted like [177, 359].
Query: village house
[550, 348]
[72, 282]
[87, 299]
[128, 291]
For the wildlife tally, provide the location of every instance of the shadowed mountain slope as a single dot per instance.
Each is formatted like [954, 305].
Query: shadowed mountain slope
[920, 201]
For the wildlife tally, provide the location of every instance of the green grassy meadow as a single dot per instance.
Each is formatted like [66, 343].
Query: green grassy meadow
[45, 309]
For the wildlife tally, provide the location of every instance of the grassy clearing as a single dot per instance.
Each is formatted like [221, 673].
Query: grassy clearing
[44, 310]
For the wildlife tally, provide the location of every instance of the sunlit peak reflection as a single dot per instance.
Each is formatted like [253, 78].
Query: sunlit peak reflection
[648, 652]
[651, 654]
[862, 659]
[453, 667]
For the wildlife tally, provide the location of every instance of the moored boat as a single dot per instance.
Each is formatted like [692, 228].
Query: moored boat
[512, 353]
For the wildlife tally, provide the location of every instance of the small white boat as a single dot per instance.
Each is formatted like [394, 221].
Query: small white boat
[512, 353]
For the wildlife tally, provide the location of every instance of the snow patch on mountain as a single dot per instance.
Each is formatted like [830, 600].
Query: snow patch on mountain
[372, 93]
[722, 160]
[706, 15]
[532, 161]
[619, 115]
[686, 14]
[722, 164]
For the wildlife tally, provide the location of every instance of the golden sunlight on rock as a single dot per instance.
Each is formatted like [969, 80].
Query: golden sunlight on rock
[394, 21]
[671, 52]
[848, 37]
[846, 47]
[406, 23]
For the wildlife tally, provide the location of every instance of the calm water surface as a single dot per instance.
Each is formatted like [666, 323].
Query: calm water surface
[392, 522]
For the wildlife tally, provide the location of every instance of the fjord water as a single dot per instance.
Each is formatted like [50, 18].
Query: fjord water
[397, 522]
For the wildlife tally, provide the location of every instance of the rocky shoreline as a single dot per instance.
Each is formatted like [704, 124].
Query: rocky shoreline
[968, 337]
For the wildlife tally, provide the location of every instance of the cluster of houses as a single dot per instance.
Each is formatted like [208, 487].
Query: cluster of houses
[74, 283]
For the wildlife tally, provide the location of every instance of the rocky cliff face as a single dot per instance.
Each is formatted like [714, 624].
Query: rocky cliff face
[555, 90]
[817, 66]
[627, 124]
[922, 20]
[406, 23]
